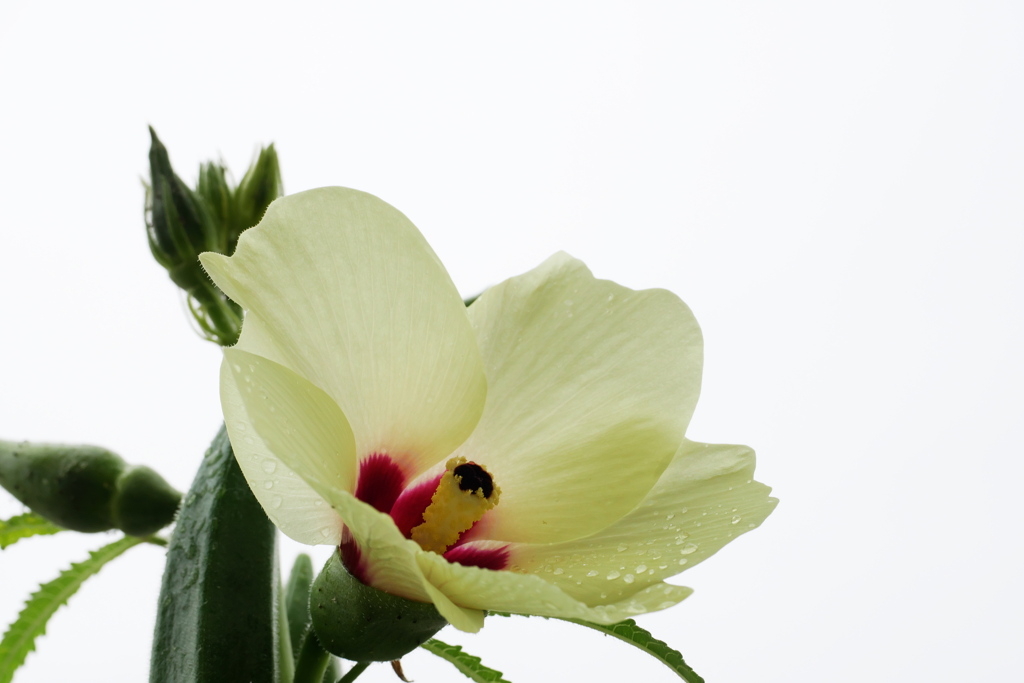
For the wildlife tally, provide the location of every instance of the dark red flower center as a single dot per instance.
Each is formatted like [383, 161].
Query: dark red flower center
[383, 484]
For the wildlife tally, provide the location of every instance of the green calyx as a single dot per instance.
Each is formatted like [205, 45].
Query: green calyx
[87, 488]
[360, 623]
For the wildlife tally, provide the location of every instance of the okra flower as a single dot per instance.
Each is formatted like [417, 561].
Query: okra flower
[524, 454]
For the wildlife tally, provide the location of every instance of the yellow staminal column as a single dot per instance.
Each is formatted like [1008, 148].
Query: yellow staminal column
[466, 491]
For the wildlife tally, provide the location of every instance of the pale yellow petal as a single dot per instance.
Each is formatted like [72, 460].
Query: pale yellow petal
[590, 389]
[301, 424]
[290, 503]
[297, 422]
[706, 498]
[505, 591]
[351, 297]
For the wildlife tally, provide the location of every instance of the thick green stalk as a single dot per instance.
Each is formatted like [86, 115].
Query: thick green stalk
[217, 619]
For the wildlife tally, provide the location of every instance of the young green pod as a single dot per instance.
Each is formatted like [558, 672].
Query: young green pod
[360, 623]
[87, 488]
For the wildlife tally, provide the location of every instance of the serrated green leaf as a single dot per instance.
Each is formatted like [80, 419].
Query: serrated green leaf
[22, 526]
[627, 631]
[20, 638]
[463, 661]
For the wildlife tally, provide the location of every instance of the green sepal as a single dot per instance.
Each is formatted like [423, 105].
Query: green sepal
[24, 526]
[217, 618]
[20, 637]
[87, 488]
[357, 622]
[469, 665]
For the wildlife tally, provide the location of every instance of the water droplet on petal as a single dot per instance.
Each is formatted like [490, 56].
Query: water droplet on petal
[559, 571]
[641, 568]
[269, 466]
[622, 548]
[688, 548]
[276, 502]
[268, 485]
[683, 561]
[613, 574]
[736, 519]
[629, 578]
[592, 572]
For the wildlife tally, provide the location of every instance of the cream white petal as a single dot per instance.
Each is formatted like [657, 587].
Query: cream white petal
[288, 500]
[505, 591]
[302, 424]
[292, 505]
[296, 421]
[706, 498]
[351, 297]
[590, 388]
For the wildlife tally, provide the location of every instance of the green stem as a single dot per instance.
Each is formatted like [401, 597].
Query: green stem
[312, 661]
[354, 672]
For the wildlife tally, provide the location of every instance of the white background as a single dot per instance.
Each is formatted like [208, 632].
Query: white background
[836, 189]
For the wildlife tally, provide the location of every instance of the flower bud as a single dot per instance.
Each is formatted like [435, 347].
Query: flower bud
[360, 623]
[182, 223]
[87, 488]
